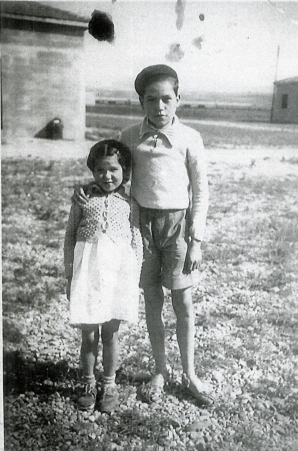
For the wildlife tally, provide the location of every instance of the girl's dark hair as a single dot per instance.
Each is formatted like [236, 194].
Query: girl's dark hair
[108, 148]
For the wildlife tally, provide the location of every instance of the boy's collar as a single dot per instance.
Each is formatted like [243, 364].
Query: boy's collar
[170, 131]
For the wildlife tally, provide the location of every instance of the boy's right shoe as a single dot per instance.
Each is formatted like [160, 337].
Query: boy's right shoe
[152, 391]
[109, 398]
[87, 399]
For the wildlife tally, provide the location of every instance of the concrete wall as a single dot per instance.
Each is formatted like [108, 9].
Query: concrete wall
[287, 115]
[42, 78]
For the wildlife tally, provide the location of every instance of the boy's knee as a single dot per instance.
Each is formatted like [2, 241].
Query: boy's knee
[182, 301]
[182, 295]
[154, 300]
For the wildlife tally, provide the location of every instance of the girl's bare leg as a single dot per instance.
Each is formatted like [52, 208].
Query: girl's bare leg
[110, 354]
[109, 336]
[90, 338]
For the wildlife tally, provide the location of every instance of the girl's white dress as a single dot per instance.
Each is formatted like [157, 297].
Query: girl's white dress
[103, 253]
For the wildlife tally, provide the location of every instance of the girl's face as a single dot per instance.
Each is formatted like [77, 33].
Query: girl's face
[108, 173]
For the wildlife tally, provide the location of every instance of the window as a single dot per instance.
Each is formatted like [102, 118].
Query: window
[284, 101]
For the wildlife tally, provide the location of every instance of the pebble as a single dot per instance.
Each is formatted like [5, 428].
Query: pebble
[200, 446]
[194, 435]
[175, 423]
[198, 426]
[155, 406]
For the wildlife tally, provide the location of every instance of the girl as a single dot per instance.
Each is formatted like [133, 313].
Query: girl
[103, 256]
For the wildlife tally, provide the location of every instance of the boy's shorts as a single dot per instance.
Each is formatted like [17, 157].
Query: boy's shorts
[165, 237]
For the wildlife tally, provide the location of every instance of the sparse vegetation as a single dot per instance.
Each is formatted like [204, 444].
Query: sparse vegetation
[246, 322]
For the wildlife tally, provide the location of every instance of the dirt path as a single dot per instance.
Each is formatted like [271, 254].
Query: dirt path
[291, 128]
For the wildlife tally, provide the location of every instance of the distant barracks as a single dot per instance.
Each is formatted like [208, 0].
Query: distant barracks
[42, 50]
[285, 101]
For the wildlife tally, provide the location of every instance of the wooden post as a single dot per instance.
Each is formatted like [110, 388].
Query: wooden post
[274, 89]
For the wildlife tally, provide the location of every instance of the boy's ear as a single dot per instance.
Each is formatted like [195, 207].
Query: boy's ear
[178, 99]
[141, 101]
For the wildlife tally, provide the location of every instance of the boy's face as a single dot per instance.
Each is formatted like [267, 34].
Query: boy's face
[160, 103]
[108, 173]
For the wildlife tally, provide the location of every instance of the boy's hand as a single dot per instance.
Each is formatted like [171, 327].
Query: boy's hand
[68, 287]
[193, 257]
[79, 197]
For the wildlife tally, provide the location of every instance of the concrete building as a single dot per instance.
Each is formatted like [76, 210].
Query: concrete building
[285, 101]
[42, 78]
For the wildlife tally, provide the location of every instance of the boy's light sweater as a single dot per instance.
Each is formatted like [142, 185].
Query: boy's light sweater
[168, 165]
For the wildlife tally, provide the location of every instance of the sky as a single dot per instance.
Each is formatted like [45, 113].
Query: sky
[218, 46]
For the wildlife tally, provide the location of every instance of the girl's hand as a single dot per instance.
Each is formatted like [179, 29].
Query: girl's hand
[79, 197]
[193, 257]
[68, 287]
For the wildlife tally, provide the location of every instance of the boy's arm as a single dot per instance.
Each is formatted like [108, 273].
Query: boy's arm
[74, 219]
[79, 197]
[197, 170]
[136, 242]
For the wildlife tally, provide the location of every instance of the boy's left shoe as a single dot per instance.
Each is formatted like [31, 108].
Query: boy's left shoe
[199, 390]
[152, 391]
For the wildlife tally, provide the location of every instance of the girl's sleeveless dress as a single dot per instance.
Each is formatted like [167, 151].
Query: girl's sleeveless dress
[105, 282]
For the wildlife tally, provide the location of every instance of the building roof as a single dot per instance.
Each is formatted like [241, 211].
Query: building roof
[287, 81]
[40, 12]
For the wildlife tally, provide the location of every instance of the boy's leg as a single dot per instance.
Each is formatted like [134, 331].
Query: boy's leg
[154, 300]
[151, 224]
[183, 307]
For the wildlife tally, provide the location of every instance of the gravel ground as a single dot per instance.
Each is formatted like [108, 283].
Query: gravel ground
[41, 352]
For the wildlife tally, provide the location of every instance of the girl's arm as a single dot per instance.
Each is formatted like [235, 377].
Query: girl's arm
[74, 219]
[136, 242]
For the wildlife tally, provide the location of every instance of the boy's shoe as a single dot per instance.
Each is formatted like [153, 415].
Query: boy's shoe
[109, 398]
[153, 391]
[87, 399]
[198, 390]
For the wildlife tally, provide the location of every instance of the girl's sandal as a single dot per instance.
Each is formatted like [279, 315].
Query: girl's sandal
[203, 398]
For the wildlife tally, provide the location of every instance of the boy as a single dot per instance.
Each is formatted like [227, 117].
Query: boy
[169, 182]
[168, 164]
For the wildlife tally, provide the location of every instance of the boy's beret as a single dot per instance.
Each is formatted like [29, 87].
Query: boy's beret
[150, 71]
